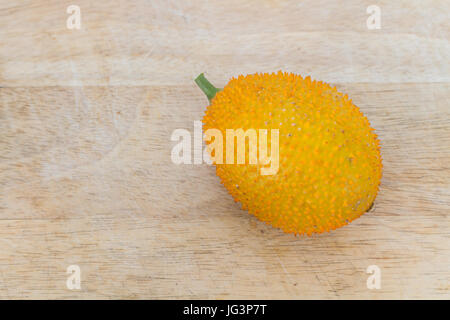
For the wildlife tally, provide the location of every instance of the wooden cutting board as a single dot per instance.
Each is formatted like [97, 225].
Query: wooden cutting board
[86, 176]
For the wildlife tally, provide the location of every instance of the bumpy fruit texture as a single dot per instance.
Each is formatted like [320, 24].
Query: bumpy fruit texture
[329, 157]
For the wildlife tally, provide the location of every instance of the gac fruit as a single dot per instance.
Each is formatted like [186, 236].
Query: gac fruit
[329, 156]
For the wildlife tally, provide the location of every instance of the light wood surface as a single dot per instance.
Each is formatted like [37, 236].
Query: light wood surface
[86, 176]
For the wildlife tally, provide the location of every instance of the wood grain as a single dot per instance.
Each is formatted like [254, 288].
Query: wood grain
[86, 176]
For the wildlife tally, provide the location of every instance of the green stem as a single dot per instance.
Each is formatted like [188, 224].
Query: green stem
[206, 87]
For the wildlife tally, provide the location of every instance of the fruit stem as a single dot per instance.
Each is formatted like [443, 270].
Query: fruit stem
[206, 87]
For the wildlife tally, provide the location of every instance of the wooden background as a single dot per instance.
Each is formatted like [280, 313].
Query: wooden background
[86, 176]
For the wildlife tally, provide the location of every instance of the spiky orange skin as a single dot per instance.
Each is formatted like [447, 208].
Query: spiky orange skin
[330, 163]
